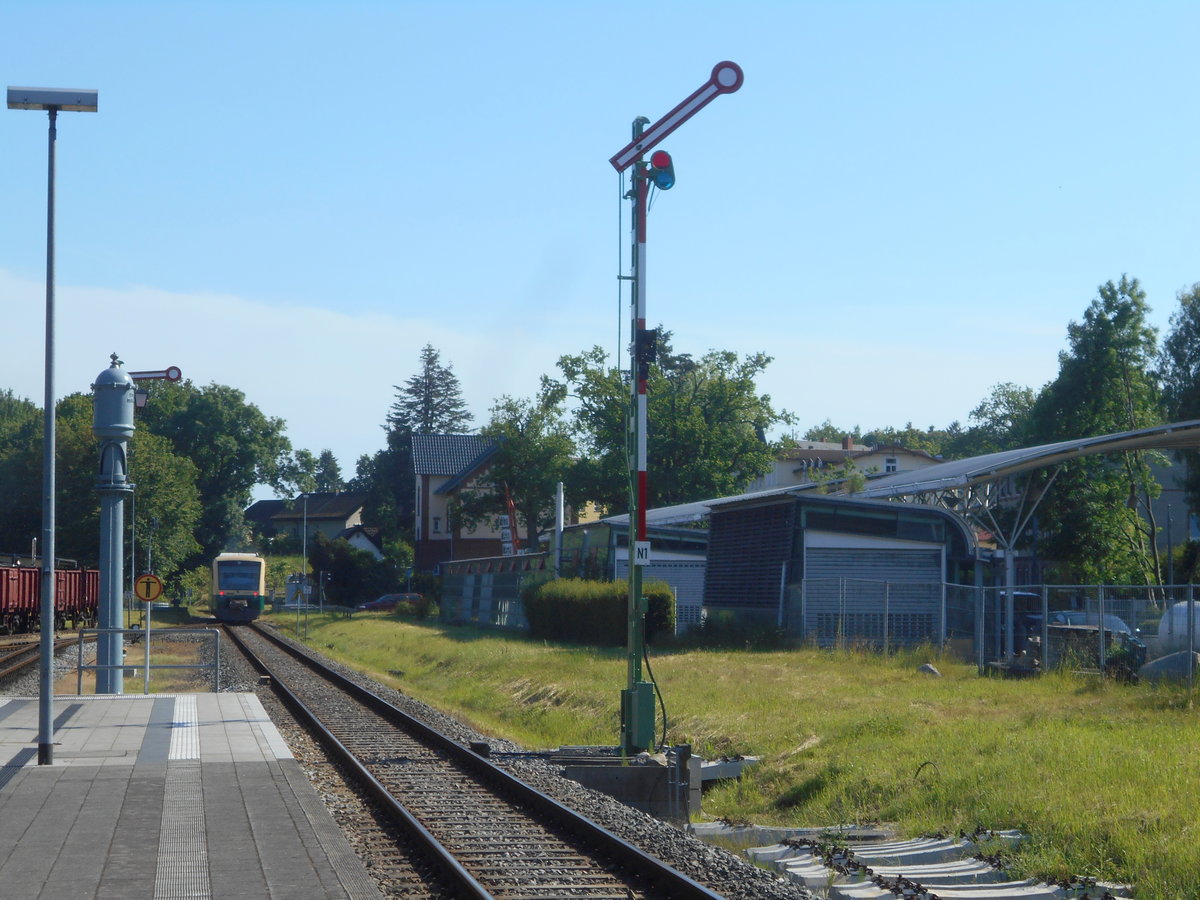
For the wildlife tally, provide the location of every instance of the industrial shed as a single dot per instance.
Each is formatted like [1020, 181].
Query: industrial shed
[823, 567]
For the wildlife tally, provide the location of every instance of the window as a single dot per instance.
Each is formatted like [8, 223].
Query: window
[437, 524]
[890, 465]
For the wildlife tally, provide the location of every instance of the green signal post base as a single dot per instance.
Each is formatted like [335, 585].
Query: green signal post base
[637, 717]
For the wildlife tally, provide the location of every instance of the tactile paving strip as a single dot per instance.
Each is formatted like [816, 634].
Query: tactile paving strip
[182, 871]
[185, 733]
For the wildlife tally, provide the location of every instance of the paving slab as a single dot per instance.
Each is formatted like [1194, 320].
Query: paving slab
[167, 797]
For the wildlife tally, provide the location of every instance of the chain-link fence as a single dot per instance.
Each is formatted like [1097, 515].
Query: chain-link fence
[841, 612]
[1089, 627]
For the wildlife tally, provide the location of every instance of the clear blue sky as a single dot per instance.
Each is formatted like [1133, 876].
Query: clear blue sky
[905, 204]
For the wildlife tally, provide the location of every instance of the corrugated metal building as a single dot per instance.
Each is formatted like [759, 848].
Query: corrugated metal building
[826, 566]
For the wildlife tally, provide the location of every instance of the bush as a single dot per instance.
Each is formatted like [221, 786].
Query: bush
[593, 612]
[724, 629]
[426, 584]
[416, 609]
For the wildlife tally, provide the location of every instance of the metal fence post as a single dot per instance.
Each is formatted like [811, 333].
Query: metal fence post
[980, 613]
[804, 609]
[1103, 648]
[782, 595]
[1191, 627]
[1045, 627]
[887, 619]
[841, 630]
[942, 626]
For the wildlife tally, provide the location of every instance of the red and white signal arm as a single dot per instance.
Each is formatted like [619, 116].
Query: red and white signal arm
[726, 78]
[170, 373]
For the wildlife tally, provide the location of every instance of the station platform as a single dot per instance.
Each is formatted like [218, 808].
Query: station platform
[163, 797]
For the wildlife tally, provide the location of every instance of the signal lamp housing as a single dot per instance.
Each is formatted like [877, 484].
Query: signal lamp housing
[662, 170]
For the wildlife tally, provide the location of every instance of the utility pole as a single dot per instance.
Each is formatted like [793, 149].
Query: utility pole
[637, 700]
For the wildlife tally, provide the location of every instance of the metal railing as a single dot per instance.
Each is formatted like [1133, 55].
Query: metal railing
[146, 636]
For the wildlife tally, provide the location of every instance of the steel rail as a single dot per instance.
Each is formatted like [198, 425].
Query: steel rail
[433, 848]
[649, 868]
[26, 656]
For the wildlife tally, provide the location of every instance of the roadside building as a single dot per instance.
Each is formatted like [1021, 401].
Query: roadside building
[443, 466]
[810, 461]
[331, 513]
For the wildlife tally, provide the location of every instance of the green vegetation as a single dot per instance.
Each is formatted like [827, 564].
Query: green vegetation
[1099, 775]
[572, 609]
[710, 424]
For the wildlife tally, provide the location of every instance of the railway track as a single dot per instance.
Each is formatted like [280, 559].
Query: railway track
[489, 834]
[16, 658]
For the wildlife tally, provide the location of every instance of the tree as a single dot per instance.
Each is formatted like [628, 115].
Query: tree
[386, 478]
[167, 508]
[308, 473]
[1099, 506]
[301, 470]
[999, 422]
[234, 447]
[20, 472]
[707, 425]
[353, 576]
[328, 474]
[165, 489]
[431, 401]
[533, 454]
[16, 413]
[827, 432]
[1179, 363]
[931, 441]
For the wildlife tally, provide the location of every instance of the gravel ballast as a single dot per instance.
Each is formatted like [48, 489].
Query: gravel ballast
[723, 872]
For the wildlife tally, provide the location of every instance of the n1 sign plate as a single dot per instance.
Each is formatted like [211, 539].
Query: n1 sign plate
[641, 553]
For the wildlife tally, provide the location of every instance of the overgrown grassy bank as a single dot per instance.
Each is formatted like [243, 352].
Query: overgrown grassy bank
[1103, 777]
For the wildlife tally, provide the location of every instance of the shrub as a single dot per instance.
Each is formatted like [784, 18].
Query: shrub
[593, 612]
[724, 629]
[419, 609]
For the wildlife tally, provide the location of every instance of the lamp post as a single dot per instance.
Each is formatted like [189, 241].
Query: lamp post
[51, 100]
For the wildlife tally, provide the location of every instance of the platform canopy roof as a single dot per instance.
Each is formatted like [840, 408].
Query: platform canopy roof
[962, 473]
[976, 476]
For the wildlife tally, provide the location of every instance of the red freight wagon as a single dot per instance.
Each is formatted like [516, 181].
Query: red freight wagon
[77, 597]
[78, 594]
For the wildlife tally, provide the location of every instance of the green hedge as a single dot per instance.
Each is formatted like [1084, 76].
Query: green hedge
[594, 612]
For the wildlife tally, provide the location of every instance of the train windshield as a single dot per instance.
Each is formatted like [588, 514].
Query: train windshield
[238, 575]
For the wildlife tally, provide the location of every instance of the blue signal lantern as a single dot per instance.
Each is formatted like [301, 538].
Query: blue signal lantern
[662, 170]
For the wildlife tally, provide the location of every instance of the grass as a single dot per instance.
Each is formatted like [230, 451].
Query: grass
[1101, 776]
[163, 652]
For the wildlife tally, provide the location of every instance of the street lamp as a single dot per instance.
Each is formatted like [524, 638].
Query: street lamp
[51, 100]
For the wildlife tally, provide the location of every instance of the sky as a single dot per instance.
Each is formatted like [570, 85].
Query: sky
[905, 204]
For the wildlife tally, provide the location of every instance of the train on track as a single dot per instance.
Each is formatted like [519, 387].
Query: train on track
[76, 598]
[239, 586]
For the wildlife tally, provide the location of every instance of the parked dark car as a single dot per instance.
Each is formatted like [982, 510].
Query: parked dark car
[1114, 624]
[388, 602]
[1074, 635]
